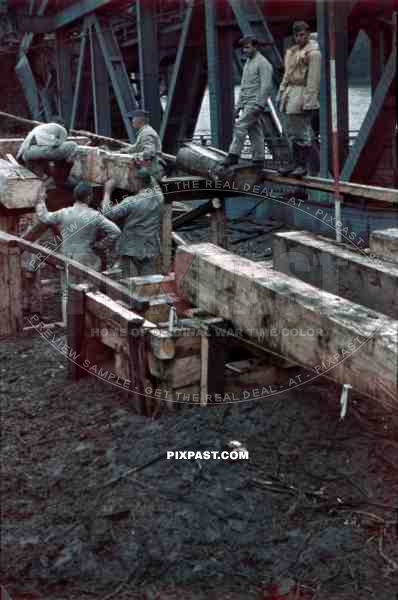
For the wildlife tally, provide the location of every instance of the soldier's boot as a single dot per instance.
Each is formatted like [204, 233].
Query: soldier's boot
[230, 160]
[259, 164]
[302, 153]
[291, 165]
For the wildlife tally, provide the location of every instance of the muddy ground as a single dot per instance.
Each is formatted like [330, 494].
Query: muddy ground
[92, 509]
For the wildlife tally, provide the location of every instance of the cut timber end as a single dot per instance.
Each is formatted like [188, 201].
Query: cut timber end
[19, 188]
[343, 340]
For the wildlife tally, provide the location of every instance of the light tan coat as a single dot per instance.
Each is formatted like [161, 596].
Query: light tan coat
[299, 90]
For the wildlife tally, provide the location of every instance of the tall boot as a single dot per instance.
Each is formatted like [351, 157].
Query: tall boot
[292, 163]
[302, 153]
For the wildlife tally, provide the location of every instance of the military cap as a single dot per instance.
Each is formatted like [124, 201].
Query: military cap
[139, 112]
[248, 39]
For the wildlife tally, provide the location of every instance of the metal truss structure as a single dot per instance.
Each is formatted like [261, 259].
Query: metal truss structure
[94, 61]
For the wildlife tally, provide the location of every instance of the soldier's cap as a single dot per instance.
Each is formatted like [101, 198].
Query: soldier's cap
[139, 112]
[83, 192]
[143, 174]
[299, 26]
[248, 39]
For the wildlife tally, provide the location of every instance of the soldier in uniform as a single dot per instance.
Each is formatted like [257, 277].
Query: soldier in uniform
[147, 149]
[80, 227]
[298, 97]
[255, 89]
[141, 214]
[46, 142]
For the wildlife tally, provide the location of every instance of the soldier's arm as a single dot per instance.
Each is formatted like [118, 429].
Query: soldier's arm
[46, 217]
[120, 211]
[311, 92]
[265, 72]
[110, 231]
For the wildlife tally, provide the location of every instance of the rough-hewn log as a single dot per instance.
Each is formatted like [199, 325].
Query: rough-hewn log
[206, 161]
[19, 188]
[313, 328]
[98, 166]
[338, 269]
[384, 243]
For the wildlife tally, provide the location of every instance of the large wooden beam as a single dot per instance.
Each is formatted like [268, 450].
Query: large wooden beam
[316, 329]
[205, 162]
[19, 188]
[338, 269]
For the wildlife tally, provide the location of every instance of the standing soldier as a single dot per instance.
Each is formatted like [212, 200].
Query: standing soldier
[80, 226]
[141, 215]
[147, 149]
[298, 97]
[255, 89]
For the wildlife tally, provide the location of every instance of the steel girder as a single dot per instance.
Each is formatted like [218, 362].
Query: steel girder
[149, 60]
[188, 81]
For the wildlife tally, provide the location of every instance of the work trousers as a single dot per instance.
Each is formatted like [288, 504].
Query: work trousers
[132, 266]
[62, 152]
[251, 123]
[298, 129]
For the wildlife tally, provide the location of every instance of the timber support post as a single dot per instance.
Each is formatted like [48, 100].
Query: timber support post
[11, 284]
[75, 328]
[218, 226]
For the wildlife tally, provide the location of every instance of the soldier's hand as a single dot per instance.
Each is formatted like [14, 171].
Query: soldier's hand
[257, 109]
[237, 112]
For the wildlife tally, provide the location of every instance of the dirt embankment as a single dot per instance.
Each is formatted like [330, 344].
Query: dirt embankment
[91, 507]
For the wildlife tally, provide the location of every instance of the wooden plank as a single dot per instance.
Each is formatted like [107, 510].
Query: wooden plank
[11, 318]
[112, 288]
[338, 269]
[345, 341]
[137, 369]
[106, 309]
[181, 342]
[165, 238]
[150, 285]
[384, 243]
